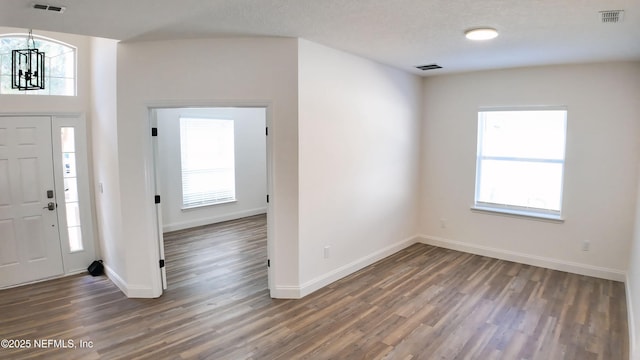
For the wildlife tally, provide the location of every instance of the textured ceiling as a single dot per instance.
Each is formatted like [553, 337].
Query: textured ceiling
[402, 33]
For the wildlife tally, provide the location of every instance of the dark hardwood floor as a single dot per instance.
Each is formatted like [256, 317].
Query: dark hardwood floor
[421, 303]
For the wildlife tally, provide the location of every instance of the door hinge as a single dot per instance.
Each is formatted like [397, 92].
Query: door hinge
[268, 262]
[267, 199]
[154, 131]
[157, 199]
[266, 131]
[161, 263]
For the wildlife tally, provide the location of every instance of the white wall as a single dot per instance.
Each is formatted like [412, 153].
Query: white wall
[250, 165]
[105, 159]
[633, 273]
[209, 72]
[633, 280]
[602, 154]
[359, 127]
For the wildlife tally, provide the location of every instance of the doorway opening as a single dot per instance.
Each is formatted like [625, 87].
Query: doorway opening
[211, 167]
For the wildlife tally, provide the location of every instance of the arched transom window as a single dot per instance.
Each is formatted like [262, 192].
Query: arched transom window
[60, 65]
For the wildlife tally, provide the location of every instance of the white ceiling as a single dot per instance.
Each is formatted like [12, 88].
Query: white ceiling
[402, 33]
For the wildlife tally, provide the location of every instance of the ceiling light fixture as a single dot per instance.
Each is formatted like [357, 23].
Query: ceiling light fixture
[27, 67]
[481, 34]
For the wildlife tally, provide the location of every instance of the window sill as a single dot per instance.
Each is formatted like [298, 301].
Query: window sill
[518, 214]
[197, 207]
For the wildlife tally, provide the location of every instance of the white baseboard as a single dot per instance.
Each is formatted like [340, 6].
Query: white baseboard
[549, 263]
[130, 291]
[348, 269]
[116, 279]
[212, 220]
[633, 355]
[141, 292]
[286, 292]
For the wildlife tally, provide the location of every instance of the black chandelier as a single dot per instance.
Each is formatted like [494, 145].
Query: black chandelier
[27, 67]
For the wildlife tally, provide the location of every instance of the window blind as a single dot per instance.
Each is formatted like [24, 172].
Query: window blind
[207, 161]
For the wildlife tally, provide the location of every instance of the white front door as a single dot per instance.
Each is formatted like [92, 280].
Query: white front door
[29, 237]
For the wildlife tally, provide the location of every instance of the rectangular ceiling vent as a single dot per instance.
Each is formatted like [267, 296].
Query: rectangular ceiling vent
[611, 16]
[56, 9]
[429, 67]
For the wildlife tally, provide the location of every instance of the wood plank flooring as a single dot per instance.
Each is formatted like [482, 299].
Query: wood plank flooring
[421, 303]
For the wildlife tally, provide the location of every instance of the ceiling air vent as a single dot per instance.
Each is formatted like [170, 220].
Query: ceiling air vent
[57, 9]
[611, 16]
[429, 67]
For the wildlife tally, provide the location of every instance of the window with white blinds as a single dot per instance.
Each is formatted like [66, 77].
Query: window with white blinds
[208, 161]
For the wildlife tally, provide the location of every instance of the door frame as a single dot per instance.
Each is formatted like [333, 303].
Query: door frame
[73, 263]
[153, 179]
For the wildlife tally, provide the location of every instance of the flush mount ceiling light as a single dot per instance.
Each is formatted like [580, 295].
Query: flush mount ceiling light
[481, 34]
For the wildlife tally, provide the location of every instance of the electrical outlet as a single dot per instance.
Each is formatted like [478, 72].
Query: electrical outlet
[585, 245]
[443, 223]
[326, 252]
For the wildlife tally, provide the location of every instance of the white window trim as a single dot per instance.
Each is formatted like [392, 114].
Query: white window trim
[195, 207]
[518, 211]
[498, 209]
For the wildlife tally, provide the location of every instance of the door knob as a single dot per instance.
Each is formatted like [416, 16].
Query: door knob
[51, 206]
